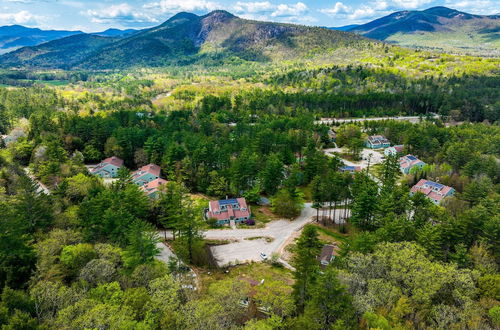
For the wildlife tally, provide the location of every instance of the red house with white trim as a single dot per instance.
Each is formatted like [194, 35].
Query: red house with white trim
[228, 209]
[436, 192]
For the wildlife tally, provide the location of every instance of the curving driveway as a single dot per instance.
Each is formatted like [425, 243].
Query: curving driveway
[248, 244]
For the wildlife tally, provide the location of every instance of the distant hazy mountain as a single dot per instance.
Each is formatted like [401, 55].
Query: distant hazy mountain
[115, 33]
[16, 36]
[186, 38]
[62, 53]
[345, 28]
[439, 28]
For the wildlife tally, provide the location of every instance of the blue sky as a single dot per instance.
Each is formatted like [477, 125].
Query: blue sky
[96, 15]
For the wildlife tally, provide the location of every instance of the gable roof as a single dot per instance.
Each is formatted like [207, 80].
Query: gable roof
[215, 209]
[327, 252]
[378, 139]
[399, 148]
[153, 186]
[409, 161]
[150, 168]
[115, 161]
[431, 189]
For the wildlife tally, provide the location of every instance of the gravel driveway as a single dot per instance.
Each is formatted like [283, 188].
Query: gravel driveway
[250, 243]
[376, 156]
[248, 249]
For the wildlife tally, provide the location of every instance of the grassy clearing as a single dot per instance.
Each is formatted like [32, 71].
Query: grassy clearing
[255, 272]
[329, 233]
[262, 215]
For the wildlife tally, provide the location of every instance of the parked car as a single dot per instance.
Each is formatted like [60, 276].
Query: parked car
[263, 256]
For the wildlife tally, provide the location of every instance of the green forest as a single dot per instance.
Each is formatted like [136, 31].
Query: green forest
[81, 252]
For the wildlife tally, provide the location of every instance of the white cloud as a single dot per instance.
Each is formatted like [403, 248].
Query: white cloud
[380, 5]
[363, 12]
[485, 7]
[338, 8]
[174, 6]
[266, 11]
[122, 13]
[284, 10]
[410, 4]
[253, 7]
[373, 9]
[23, 17]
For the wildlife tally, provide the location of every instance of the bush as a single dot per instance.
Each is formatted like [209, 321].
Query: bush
[250, 222]
[212, 222]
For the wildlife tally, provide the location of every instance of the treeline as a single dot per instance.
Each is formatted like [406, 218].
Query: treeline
[355, 91]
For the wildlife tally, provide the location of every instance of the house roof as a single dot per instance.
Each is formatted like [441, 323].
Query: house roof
[150, 168]
[327, 253]
[216, 211]
[350, 168]
[431, 189]
[399, 148]
[409, 161]
[153, 186]
[378, 139]
[115, 161]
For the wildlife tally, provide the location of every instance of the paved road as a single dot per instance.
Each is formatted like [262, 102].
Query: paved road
[165, 252]
[411, 119]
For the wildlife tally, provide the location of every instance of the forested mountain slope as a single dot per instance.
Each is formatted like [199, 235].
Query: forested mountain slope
[62, 53]
[17, 36]
[187, 38]
[439, 28]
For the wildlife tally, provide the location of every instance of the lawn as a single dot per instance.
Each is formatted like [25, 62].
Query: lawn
[262, 215]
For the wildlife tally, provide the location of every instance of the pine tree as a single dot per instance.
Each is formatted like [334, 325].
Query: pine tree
[330, 303]
[190, 227]
[33, 208]
[142, 239]
[306, 265]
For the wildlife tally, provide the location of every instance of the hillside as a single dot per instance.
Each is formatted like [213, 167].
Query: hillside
[115, 33]
[62, 53]
[16, 36]
[187, 38]
[438, 28]
[345, 27]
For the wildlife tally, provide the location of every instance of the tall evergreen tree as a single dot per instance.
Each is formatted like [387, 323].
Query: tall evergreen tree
[306, 264]
[330, 304]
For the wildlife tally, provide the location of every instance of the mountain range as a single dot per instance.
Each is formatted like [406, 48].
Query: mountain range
[220, 36]
[186, 38]
[13, 37]
[438, 28]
